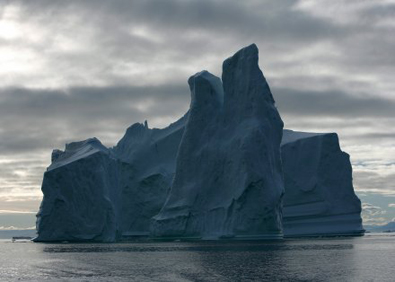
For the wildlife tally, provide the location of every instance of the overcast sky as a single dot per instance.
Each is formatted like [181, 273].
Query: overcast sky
[76, 69]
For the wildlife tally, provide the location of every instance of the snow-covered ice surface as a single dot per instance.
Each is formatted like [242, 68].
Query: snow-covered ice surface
[319, 195]
[228, 175]
[228, 180]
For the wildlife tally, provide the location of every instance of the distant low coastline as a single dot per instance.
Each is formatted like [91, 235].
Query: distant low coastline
[8, 234]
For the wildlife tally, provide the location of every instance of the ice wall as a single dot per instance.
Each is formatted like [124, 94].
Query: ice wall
[319, 195]
[92, 193]
[228, 180]
[81, 195]
[147, 164]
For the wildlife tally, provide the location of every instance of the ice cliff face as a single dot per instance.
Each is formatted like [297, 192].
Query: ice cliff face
[228, 180]
[97, 194]
[147, 159]
[81, 195]
[319, 195]
[222, 160]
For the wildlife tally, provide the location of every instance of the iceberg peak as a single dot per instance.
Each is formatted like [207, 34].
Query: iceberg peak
[246, 90]
[206, 93]
[228, 177]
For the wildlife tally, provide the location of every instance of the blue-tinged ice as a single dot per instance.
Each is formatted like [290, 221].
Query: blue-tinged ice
[228, 179]
[81, 195]
[319, 195]
[92, 193]
[224, 170]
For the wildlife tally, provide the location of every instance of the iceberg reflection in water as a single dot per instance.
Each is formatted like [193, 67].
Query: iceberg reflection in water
[366, 258]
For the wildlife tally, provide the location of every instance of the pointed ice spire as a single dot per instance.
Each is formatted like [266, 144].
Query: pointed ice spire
[205, 88]
[245, 87]
[228, 179]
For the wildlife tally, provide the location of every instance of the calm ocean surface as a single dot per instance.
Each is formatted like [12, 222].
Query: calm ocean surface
[368, 258]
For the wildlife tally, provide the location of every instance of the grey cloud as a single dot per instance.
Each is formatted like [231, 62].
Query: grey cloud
[10, 177]
[334, 103]
[82, 99]
[374, 182]
[28, 205]
[218, 28]
[225, 16]
[227, 23]
[373, 214]
[376, 13]
[372, 210]
[38, 119]
[375, 135]
[275, 23]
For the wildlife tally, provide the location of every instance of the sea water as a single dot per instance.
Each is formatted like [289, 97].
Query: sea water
[368, 258]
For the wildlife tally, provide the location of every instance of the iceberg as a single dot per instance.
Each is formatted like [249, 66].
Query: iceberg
[319, 195]
[228, 179]
[226, 169]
